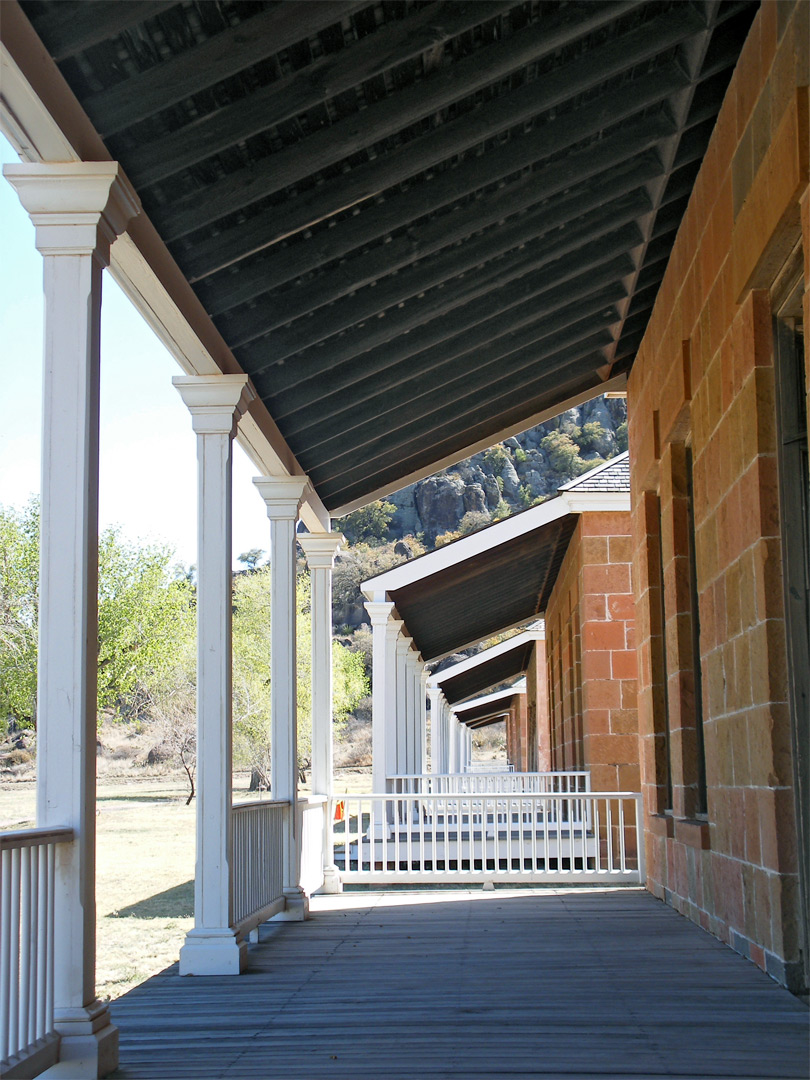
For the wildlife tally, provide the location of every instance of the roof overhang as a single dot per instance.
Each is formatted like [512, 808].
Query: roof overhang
[489, 708]
[42, 120]
[417, 228]
[492, 666]
[492, 580]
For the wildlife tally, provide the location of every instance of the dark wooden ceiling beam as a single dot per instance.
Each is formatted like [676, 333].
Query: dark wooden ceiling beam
[693, 54]
[324, 381]
[406, 333]
[259, 232]
[68, 29]
[604, 172]
[526, 243]
[482, 424]
[440, 238]
[227, 53]
[433, 436]
[415, 396]
[376, 54]
[332, 145]
[515, 343]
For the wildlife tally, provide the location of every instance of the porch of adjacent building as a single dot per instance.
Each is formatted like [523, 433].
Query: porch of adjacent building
[565, 982]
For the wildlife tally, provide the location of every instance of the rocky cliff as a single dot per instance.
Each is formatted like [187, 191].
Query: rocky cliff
[511, 476]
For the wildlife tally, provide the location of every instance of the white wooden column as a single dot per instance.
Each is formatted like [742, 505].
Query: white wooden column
[454, 764]
[215, 403]
[412, 723]
[421, 720]
[385, 631]
[78, 210]
[434, 693]
[404, 701]
[283, 497]
[320, 550]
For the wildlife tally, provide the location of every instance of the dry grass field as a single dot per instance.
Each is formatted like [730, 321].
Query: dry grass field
[145, 882]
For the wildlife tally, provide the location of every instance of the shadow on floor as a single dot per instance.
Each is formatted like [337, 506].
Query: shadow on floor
[176, 903]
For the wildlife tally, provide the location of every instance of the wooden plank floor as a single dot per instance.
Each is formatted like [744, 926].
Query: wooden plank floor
[472, 984]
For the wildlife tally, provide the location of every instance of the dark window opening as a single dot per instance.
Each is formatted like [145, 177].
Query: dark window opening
[701, 802]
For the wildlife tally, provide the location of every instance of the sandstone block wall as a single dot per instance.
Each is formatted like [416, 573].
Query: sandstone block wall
[701, 403]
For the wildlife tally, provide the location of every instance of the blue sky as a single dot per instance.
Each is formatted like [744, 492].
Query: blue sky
[148, 453]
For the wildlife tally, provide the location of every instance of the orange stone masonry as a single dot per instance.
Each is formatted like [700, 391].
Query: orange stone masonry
[703, 382]
[591, 654]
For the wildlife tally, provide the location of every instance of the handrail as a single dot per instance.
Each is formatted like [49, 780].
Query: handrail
[27, 890]
[24, 838]
[257, 841]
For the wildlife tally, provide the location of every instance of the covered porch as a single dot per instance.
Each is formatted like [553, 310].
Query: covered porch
[361, 303]
[517, 982]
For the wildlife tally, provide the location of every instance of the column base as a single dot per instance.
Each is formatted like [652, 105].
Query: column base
[88, 1043]
[213, 952]
[297, 909]
[332, 885]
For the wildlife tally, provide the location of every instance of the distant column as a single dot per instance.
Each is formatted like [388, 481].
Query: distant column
[78, 210]
[283, 496]
[434, 694]
[422, 749]
[385, 631]
[404, 702]
[320, 550]
[412, 730]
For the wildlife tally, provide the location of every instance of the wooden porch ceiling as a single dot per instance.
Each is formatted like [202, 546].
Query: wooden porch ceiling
[416, 224]
[498, 669]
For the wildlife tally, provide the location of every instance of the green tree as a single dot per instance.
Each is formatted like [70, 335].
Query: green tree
[251, 673]
[621, 437]
[563, 454]
[369, 524]
[19, 607]
[145, 617]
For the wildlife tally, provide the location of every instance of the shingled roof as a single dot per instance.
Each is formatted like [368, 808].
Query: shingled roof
[613, 475]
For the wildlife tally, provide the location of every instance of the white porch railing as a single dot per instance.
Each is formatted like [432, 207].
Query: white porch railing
[257, 883]
[27, 871]
[537, 783]
[531, 838]
[490, 766]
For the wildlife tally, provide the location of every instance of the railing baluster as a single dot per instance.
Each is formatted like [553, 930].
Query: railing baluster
[622, 846]
[5, 953]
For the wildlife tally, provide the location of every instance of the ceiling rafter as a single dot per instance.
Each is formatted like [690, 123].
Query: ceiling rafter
[480, 423]
[387, 341]
[72, 28]
[410, 440]
[559, 335]
[460, 275]
[392, 115]
[607, 167]
[511, 345]
[293, 95]
[233, 50]
[342, 193]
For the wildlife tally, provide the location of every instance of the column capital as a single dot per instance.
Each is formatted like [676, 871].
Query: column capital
[77, 207]
[423, 677]
[321, 548]
[404, 644]
[379, 611]
[282, 495]
[215, 401]
[414, 657]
